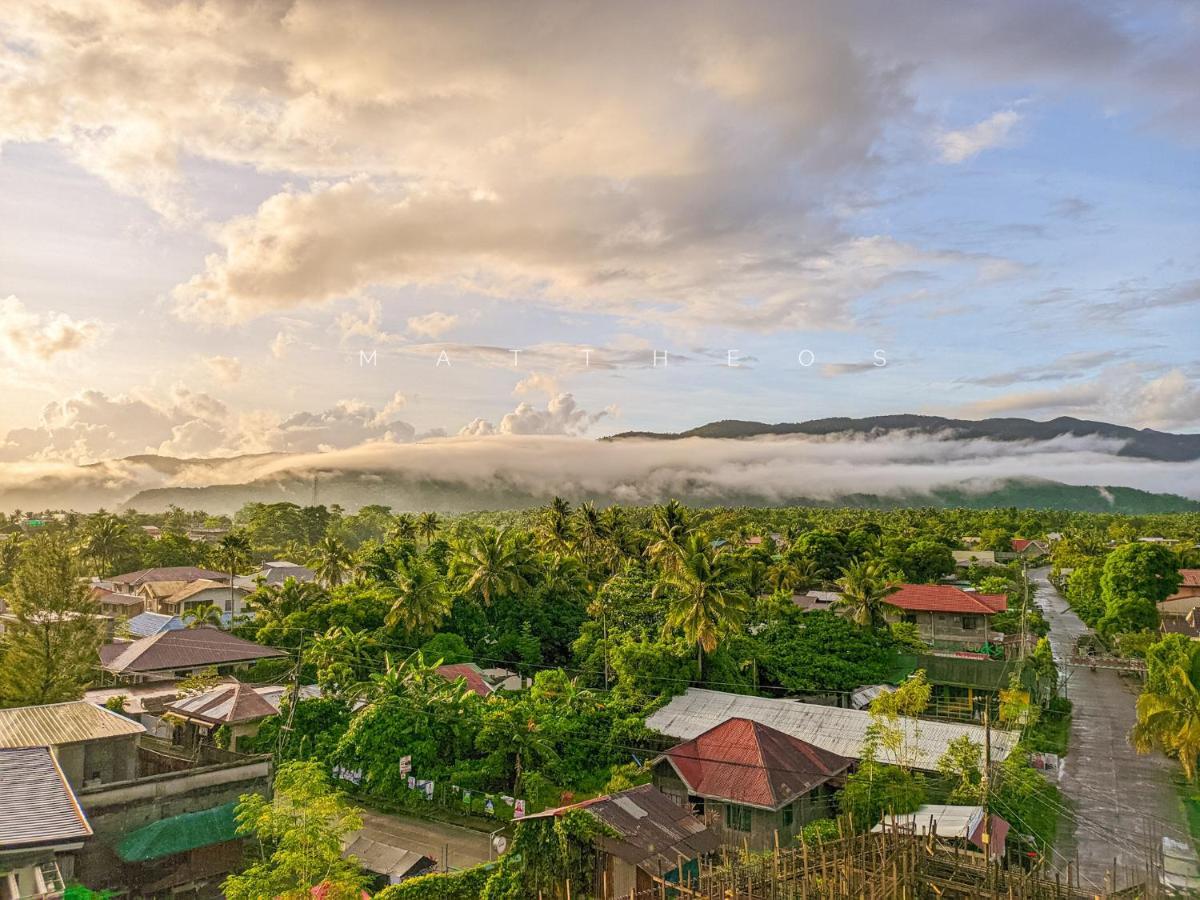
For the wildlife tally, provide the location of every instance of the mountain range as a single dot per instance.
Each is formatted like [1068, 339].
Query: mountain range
[1145, 443]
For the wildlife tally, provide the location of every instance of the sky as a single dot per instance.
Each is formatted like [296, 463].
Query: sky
[231, 228]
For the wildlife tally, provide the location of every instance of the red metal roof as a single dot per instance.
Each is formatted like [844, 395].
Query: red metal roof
[946, 598]
[469, 671]
[1191, 577]
[746, 762]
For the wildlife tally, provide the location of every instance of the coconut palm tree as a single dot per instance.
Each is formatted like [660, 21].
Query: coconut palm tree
[334, 561]
[865, 588]
[422, 600]
[404, 527]
[490, 564]
[105, 539]
[556, 532]
[701, 598]
[428, 524]
[208, 615]
[670, 527]
[1168, 712]
[233, 552]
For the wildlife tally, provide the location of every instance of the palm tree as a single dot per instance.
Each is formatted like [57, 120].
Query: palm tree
[793, 574]
[202, 616]
[1168, 716]
[865, 589]
[555, 531]
[670, 526]
[233, 552]
[106, 537]
[333, 562]
[428, 524]
[339, 655]
[404, 527]
[700, 598]
[491, 564]
[422, 601]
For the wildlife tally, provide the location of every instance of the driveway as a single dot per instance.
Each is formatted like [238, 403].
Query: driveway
[458, 847]
[1120, 803]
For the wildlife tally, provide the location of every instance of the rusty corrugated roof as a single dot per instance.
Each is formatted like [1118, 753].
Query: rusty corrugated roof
[62, 723]
[743, 761]
[188, 648]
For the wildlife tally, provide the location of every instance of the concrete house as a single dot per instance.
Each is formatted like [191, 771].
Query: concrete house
[204, 592]
[750, 784]
[41, 825]
[238, 707]
[946, 616]
[91, 745]
[129, 582]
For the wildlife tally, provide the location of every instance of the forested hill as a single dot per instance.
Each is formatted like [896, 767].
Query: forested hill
[1145, 443]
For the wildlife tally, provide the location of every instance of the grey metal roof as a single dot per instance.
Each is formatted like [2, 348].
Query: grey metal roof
[150, 623]
[841, 731]
[37, 806]
[62, 723]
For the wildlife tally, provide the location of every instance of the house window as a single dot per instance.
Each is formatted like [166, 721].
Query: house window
[737, 818]
[970, 623]
[787, 816]
[910, 618]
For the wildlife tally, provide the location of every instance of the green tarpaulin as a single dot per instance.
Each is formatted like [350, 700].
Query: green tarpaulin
[179, 834]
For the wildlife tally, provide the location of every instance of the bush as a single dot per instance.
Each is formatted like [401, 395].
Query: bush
[463, 885]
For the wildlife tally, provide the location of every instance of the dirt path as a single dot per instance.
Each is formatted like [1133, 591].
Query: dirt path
[1120, 801]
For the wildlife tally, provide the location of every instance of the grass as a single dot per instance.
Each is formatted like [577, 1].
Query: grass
[1189, 795]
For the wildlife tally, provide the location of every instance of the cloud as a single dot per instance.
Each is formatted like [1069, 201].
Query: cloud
[26, 335]
[431, 325]
[966, 143]
[477, 472]
[282, 341]
[562, 416]
[1068, 366]
[1119, 393]
[226, 369]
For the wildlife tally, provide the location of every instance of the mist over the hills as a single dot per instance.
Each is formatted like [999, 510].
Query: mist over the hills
[463, 473]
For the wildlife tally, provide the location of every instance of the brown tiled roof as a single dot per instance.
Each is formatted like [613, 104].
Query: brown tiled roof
[471, 673]
[746, 762]
[186, 648]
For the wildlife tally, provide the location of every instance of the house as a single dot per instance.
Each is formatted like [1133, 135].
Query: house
[239, 708]
[816, 600]
[276, 572]
[92, 745]
[207, 535]
[41, 825]
[964, 559]
[152, 531]
[482, 681]
[831, 728]
[201, 593]
[947, 616]
[951, 824]
[129, 582]
[645, 839]
[175, 654]
[750, 784]
[149, 624]
[1187, 624]
[118, 605]
[1189, 587]
[1029, 549]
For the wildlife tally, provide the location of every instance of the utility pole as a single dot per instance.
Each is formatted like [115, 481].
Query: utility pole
[985, 781]
[1024, 603]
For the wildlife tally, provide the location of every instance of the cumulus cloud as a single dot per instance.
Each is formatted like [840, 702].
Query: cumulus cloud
[431, 325]
[562, 415]
[966, 143]
[27, 335]
[1119, 393]
[226, 369]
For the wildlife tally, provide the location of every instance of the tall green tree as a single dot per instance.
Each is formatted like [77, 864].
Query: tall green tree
[490, 564]
[1136, 578]
[703, 600]
[333, 562]
[49, 652]
[1168, 709]
[105, 540]
[865, 588]
[422, 599]
[300, 833]
[233, 552]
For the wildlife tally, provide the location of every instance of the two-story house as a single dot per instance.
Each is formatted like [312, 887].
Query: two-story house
[947, 616]
[750, 784]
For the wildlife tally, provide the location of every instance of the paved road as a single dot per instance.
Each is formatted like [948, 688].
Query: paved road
[1120, 801]
[464, 846]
